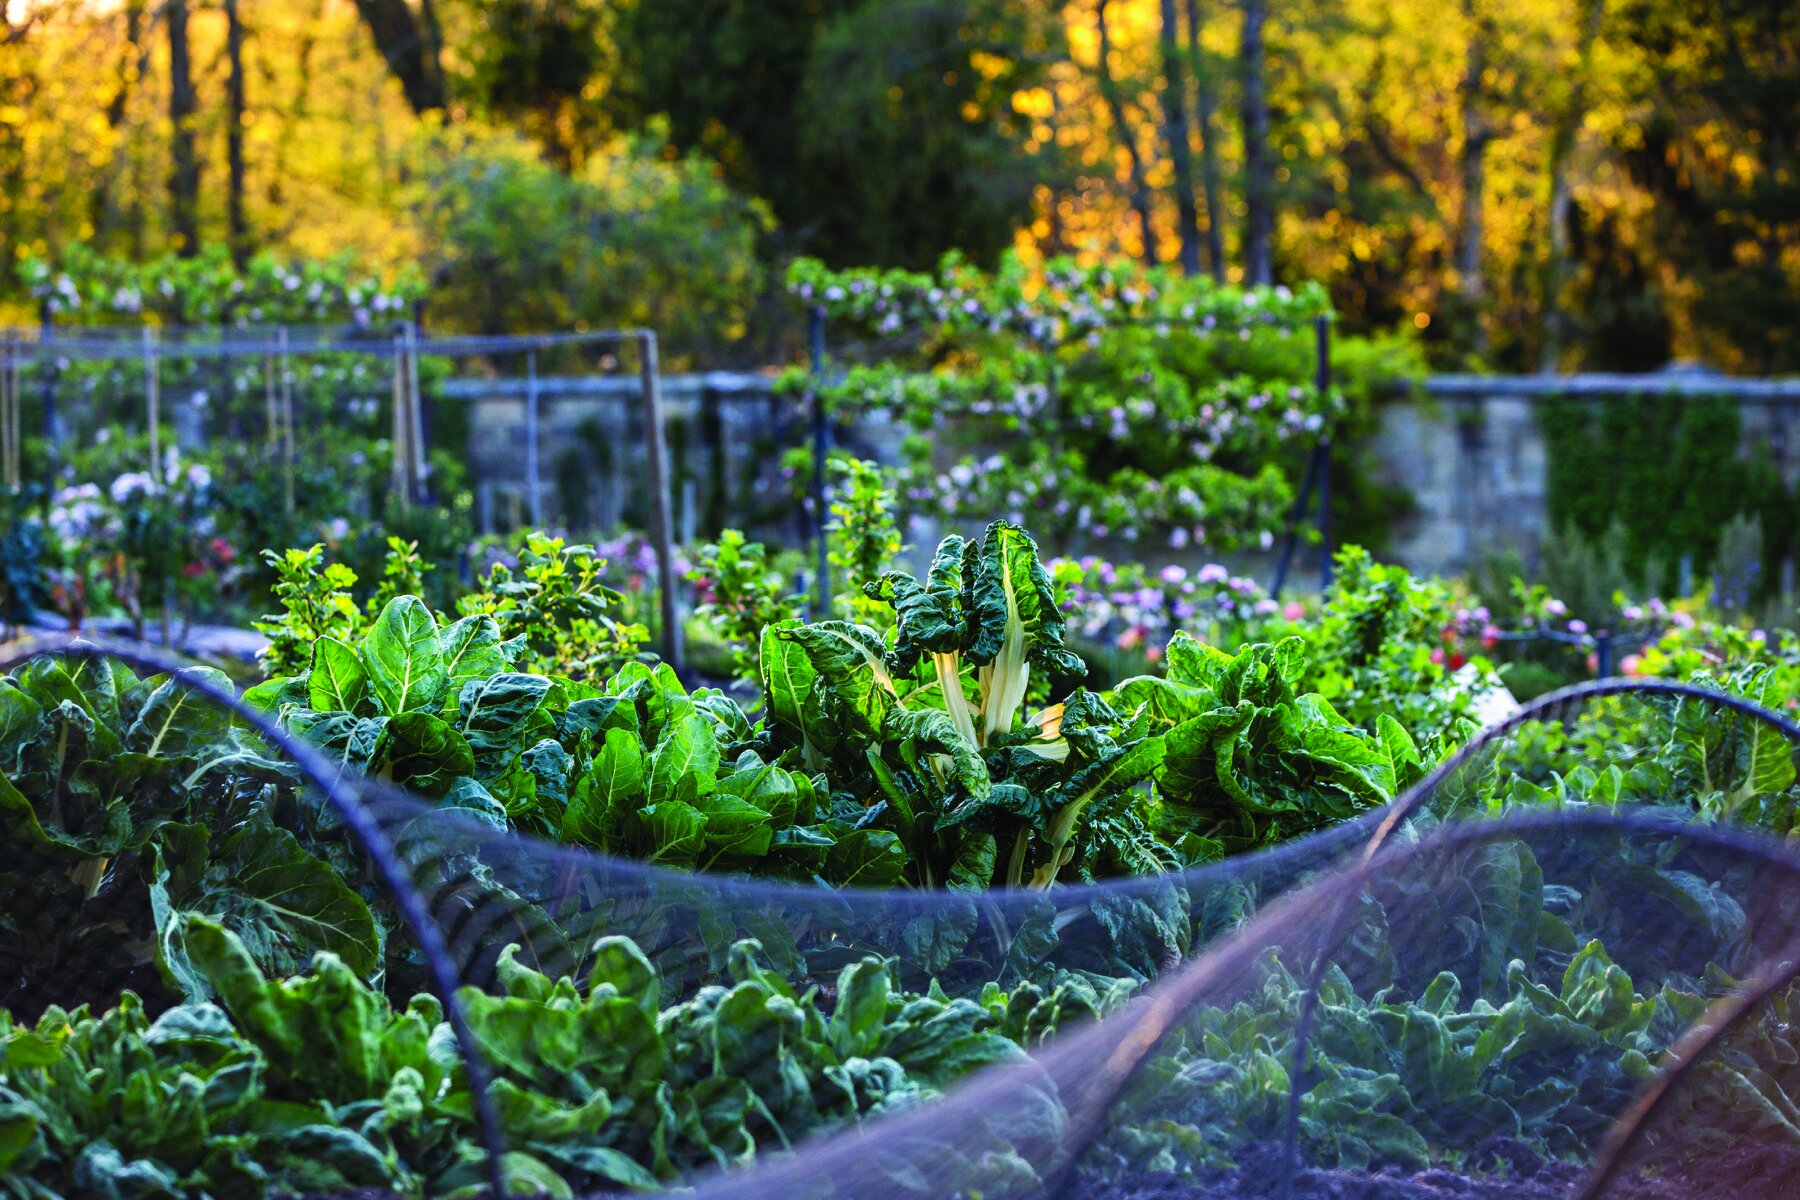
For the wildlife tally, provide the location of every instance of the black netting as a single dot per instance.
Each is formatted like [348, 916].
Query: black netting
[1561, 966]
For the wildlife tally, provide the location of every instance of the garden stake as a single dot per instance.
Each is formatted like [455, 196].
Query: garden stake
[287, 426]
[9, 426]
[532, 495]
[152, 401]
[660, 517]
[821, 435]
[415, 412]
[397, 476]
[271, 421]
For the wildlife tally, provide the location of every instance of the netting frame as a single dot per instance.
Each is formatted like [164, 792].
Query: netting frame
[343, 792]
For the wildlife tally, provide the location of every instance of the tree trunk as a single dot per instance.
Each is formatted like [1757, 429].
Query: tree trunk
[1472, 170]
[1552, 321]
[1181, 151]
[412, 46]
[297, 107]
[1259, 169]
[133, 59]
[238, 224]
[1209, 153]
[184, 176]
[1109, 91]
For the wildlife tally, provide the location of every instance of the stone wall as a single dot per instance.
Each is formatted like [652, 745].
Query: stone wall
[1470, 451]
[1467, 448]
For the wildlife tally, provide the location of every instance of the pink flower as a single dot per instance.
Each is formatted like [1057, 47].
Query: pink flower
[1294, 611]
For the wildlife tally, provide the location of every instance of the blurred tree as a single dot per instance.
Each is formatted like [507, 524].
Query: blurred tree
[1259, 172]
[1201, 67]
[1719, 151]
[634, 239]
[412, 45]
[877, 130]
[184, 171]
[542, 65]
[1125, 132]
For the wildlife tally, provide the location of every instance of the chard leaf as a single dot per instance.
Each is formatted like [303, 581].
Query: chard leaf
[672, 832]
[282, 904]
[470, 649]
[1195, 664]
[685, 763]
[1018, 624]
[611, 789]
[851, 672]
[337, 679]
[787, 676]
[423, 753]
[176, 720]
[930, 616]
[401, 655]
[866, 858]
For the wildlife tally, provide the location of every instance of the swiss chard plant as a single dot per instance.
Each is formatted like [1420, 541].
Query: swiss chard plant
[126, 803]
[931, 731]
[316, 1083]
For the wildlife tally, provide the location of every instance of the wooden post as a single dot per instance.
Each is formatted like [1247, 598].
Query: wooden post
[821, 450]
[660, 517]
[533, 485]
[271, 417]
[398, 474]
[415, 418]
[287, 425]
[9, 425]
[153, 407]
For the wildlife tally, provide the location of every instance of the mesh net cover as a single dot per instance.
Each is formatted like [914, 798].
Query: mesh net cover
[1562, 966]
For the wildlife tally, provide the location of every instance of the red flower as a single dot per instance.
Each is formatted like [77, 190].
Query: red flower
[194, 570]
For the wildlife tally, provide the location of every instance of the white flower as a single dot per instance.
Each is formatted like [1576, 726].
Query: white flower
[129, 485]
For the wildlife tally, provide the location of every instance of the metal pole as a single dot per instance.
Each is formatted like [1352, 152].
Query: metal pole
[152, 401]
[661, 520]
[1323, 327]
[533, 486]
[821, 447]
[1291, 539]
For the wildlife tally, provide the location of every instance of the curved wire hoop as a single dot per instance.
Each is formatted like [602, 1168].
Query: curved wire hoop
[1679, 1059]
[341, 793]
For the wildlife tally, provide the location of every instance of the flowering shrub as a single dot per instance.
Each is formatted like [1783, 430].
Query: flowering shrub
[88, 288]
[143, 541]
[1131, 608]
[1110, 402]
